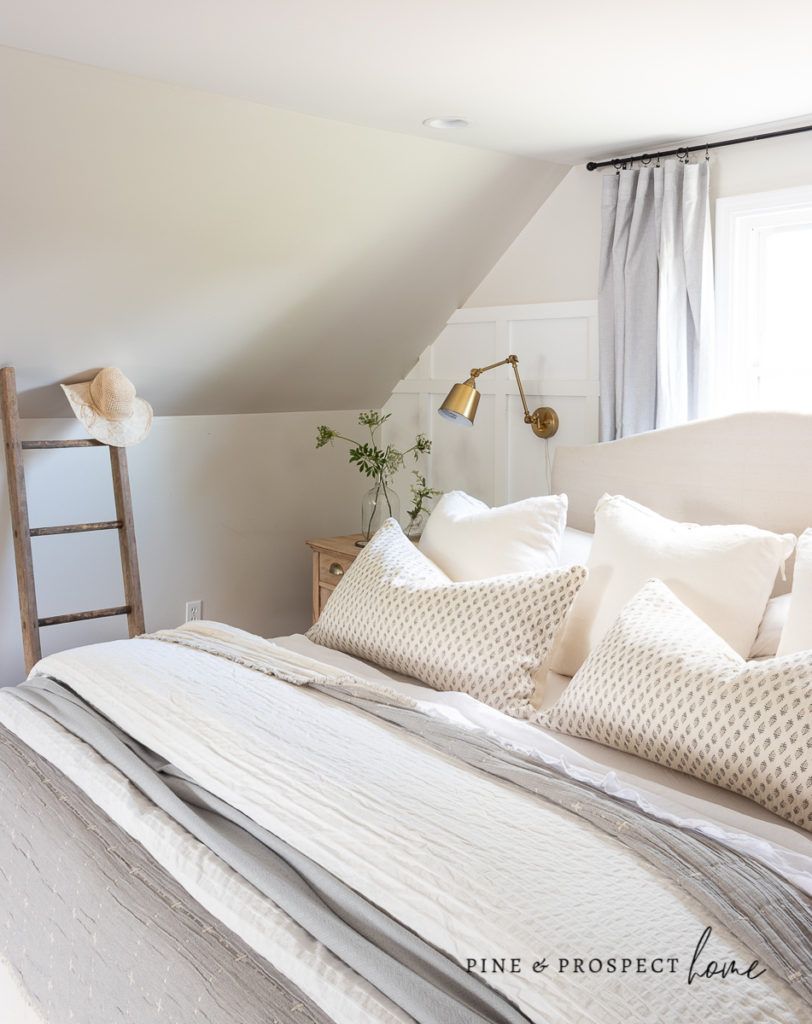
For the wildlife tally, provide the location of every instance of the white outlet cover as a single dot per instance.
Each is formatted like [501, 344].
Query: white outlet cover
[194, 611]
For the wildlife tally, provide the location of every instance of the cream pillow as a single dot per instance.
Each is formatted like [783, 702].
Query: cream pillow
[772, 626]
[797, 633]
[725, 574]
[470, 541]
[662, 685]
[395, 608]
[575, 547]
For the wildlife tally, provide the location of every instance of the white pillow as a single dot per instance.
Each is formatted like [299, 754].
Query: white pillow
[470, 541]
[772, 625]
[725, 574]
[662, 685]
[395, 608]
[575, 547]
[797, 634]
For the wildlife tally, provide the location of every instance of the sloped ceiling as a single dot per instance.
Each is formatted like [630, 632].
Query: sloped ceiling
[231, 257]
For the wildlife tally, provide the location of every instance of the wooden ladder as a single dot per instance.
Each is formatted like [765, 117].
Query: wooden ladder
[22, 532]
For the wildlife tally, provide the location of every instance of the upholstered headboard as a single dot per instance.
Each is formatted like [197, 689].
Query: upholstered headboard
[749, 468]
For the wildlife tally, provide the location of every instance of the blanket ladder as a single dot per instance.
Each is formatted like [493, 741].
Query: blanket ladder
[22, 532]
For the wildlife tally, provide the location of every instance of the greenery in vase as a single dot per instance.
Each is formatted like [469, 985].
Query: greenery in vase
[421, 493]
[371, 458]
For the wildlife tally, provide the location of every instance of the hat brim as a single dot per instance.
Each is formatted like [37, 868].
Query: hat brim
[117, 433]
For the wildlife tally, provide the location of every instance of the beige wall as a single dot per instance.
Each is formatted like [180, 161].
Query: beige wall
[555, 257]
[761, 166]
[229, 256]
[223, 505]
[233, 259]
[553, 260]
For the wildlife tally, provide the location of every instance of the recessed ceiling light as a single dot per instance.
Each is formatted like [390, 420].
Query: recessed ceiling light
[445, 122]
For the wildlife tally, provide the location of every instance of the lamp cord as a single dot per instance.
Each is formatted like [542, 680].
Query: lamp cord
[548, 468]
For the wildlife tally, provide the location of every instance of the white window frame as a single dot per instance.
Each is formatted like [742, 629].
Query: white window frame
[742, 223]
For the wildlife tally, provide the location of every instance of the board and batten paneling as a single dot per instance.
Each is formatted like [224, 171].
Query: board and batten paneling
[499, 459]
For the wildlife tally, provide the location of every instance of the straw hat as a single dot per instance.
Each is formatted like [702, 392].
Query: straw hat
[108, 408]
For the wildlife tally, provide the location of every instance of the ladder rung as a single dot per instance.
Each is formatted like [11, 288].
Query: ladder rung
[84, 442]
[15, 449]
[100, 613]
[50, 531]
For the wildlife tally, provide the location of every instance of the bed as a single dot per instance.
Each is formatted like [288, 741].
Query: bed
[205, 826]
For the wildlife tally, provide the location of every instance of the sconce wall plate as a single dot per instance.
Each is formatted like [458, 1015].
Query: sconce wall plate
[544, 421]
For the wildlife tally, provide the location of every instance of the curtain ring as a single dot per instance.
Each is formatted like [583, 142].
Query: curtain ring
[645, 160]
[618, 165]
[707, 151]
[683, 156]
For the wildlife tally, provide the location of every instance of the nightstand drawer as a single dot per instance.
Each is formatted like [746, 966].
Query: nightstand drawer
[332, 556]
[332, 567]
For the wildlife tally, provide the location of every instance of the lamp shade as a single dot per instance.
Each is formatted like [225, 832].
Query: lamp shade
[461, 403]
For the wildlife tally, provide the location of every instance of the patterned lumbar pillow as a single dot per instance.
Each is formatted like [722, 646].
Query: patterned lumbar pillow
[662, 685]
[397, 609]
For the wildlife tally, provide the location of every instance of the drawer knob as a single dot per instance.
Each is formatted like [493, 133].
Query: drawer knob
[336, 569]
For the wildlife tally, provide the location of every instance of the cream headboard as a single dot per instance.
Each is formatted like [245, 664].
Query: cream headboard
[749, 468]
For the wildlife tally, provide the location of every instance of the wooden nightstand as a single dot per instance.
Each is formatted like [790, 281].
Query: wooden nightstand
[332, 556]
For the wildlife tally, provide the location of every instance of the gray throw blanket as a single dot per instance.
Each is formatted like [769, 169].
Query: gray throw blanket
[101, 933]
[767, 914]
[425, 983]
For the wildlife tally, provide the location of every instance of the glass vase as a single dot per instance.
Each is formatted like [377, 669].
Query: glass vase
[414, 527]
[378, 504]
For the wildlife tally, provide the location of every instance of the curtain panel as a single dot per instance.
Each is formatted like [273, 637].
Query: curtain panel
[655, 298]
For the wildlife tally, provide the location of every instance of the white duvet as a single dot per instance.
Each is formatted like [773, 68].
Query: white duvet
[476, 866]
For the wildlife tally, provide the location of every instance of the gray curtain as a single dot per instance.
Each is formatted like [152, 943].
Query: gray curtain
[655, 298]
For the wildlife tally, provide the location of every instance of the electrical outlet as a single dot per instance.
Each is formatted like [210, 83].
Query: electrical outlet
[194, 611]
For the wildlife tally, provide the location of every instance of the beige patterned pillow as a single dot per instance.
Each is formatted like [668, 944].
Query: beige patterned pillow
[397, 609]
[662, 685]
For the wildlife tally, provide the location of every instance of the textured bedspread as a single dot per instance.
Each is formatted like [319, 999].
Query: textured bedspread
[101, 933]
[478, 866]
[418, 978]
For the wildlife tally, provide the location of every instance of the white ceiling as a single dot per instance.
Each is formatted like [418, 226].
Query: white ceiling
[564, 80]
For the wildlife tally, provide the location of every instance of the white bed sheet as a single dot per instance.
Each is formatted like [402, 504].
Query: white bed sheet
[671, 795]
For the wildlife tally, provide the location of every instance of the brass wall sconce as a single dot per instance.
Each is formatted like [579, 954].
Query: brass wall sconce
[462, 401]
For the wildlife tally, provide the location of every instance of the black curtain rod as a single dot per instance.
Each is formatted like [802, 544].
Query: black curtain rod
[617, 163]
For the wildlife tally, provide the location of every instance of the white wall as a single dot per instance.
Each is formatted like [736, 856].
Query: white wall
[555, 257]
[500, 459]
[223, 505]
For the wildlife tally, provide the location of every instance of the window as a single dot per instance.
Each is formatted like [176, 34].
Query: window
[764, 301]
